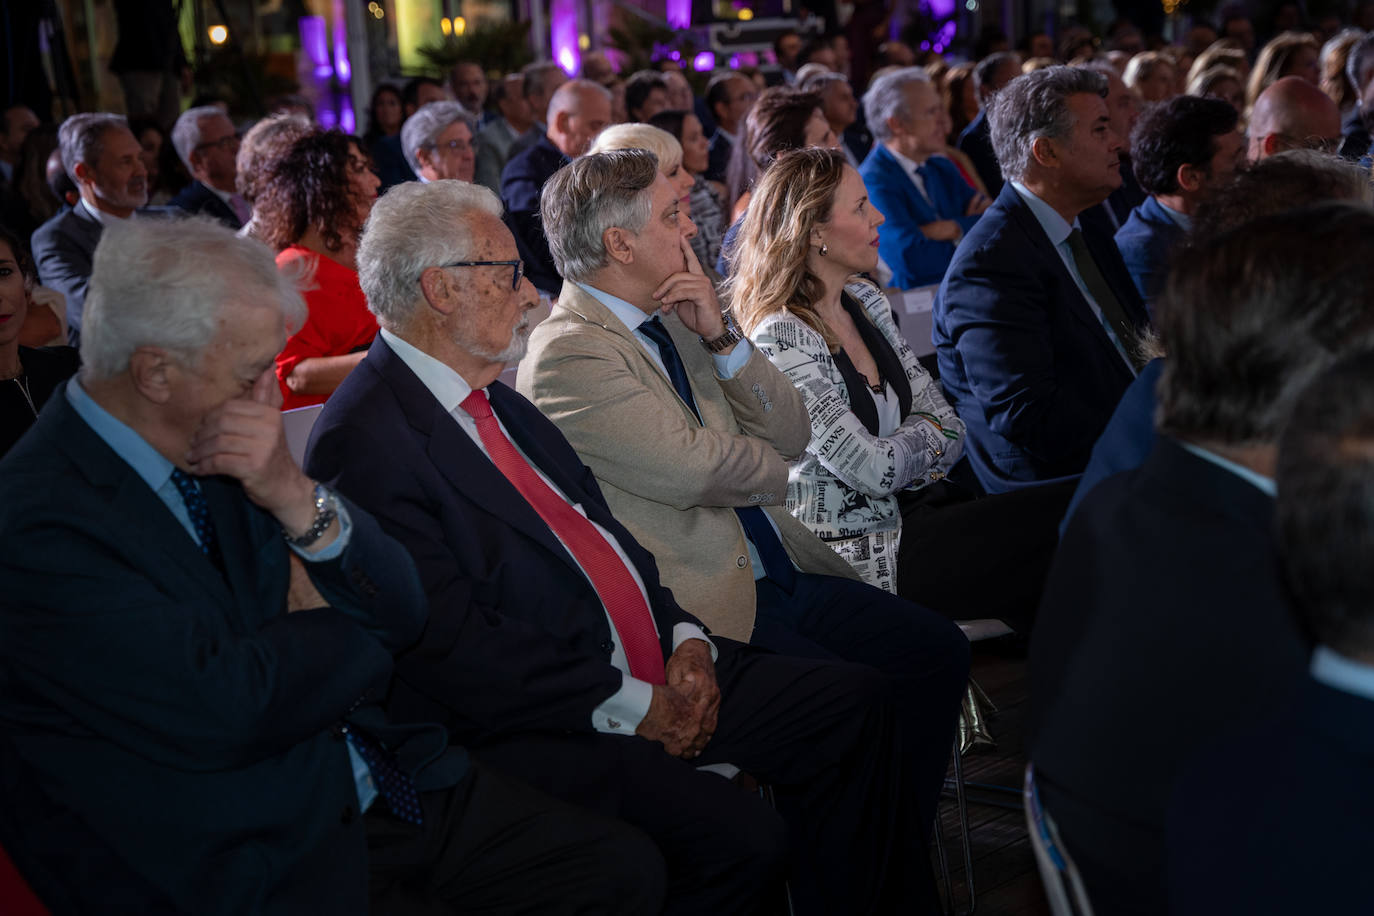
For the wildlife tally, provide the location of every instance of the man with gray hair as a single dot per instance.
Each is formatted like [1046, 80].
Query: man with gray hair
[190, 618]
[495, 140]
[928, 204]
[1037, 322]
[989, 76]
[101, 155]
[207, 143]
[438, 142]
[552, 649]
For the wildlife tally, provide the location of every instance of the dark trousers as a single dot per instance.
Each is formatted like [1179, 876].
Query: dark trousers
[968, 556]
[821, 733]
[493, 845]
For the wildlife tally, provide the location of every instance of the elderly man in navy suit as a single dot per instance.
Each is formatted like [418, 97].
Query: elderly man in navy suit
[208, 143]
[552, 649]
[1181, 149]
[1037, 322]
[101, 156]
[195, 636]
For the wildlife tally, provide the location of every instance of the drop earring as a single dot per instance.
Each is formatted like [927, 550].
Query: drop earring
[825, 249]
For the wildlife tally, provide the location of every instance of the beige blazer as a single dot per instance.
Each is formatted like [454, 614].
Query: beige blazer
[672, 482]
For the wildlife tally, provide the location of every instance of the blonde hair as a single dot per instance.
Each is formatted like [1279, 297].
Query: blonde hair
[1272, 60]
[641, 136]
[1223, 51]
[769, 271]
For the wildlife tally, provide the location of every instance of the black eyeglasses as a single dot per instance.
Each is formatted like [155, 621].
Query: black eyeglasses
[517, 268]
[226, 143]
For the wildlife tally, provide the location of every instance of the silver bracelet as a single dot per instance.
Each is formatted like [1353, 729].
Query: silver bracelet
[326, 510]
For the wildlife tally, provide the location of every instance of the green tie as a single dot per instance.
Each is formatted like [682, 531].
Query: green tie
[1112, 312]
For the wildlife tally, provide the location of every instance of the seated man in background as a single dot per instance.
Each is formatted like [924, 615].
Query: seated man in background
[494, 141]
[207, 143]
[928, 204]
[992, 73]
[1182, 148]
[229, 746]
[551, 648]
[1164, 604]
[1293, 114]
[1037, 323]
[437, 142]
[1231, 835]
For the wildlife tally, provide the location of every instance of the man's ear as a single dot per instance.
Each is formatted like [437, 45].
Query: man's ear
[1270, 145]
[1190, 178]
[560, 122]
[82, 173]
[1045, 152]
[152, 369]
[437, 286]
[618, 245]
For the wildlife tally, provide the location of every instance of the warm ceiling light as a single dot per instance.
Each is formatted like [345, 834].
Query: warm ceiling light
[218, 34]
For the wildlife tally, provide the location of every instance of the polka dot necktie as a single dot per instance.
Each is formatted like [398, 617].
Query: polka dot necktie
[199, 511]
[391, 781]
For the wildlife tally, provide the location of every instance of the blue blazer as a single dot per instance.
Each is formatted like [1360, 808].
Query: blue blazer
[197, 198]
[522, 181]
[183, 714]
[1023, 358]
[63, 249]
[915, 260]
[976, 142]
[517, 639]
[1146, 241]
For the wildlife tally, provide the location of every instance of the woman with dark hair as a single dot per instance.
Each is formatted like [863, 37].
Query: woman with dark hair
[28, 375]
[960, 100]
[707, 210]
[155, 153]
[311, 208]
[781, 119]
[31, 201]
[384, 114]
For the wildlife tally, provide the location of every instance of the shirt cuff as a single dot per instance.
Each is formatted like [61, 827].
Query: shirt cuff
[729, 364]
[621, 713]
[685, 631]
[333, 551]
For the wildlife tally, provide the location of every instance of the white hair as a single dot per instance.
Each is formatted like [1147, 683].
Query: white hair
[592, 194]
[186, 132]
[422, 129]
[886, 98]
[413, 227]
[167, 283]
[641, 136]
[81, 138]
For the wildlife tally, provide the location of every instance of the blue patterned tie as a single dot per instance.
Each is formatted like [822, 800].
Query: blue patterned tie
[776, 564]
[199, 511]
[391, 781]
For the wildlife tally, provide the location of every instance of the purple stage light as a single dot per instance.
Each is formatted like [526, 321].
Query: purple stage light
[704, 62]
[563, 35]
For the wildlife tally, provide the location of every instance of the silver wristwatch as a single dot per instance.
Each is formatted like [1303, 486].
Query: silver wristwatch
[732, 335]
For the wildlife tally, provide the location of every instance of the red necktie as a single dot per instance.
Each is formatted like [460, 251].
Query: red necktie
[609, 576]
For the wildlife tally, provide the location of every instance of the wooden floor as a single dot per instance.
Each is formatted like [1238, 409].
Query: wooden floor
[1004, 875]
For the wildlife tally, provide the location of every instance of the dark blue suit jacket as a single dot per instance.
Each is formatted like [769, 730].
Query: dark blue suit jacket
[1023, 358]
[197, 198]
[517, 639]
[182, 714]
[1146, 242]
[63, 248]
[718, 157]
[522, 180]
[976, 142]
[1278, 818]
[915, 260]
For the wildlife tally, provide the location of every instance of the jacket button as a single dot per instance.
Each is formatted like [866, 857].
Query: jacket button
[608, 647]
[349, 815]
[741, 562]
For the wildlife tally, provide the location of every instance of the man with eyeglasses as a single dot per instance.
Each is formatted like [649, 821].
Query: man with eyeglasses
[437, 142]
[208, 144]
[1293, 114]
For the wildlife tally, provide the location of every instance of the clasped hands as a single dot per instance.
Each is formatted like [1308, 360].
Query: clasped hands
[682, 714]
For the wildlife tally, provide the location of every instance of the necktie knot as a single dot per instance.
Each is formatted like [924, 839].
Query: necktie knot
[476, 405]
[655, 331]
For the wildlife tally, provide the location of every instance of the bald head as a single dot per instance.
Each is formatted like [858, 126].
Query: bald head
[578, 111]
[1293, 114]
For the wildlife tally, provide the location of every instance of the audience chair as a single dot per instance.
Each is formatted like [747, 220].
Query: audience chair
[1063, 886]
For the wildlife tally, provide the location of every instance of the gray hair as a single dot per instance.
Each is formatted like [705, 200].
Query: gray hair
[422, 129]
[186, 132]
[413, 227]
[662, 144]
[1035, 106]
[167, 283]
[886, 98]
[820, 82]
[1359, 63]
[81, 138]
[596, 192]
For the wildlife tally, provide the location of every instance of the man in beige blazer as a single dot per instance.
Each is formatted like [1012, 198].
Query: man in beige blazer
[689, 432]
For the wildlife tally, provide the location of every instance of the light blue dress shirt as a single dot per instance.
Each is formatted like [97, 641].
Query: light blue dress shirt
[1264, 484]
[1337, 671]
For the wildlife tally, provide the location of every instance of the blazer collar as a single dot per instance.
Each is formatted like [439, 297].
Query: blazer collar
[1208, 486]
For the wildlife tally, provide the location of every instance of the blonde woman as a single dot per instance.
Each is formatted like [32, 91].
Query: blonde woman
[1286, 54]
[1150, 75]
[873, 482]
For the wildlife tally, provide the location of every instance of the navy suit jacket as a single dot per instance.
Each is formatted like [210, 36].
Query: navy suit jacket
[183, 714]
[1146, 242]
[1278, 818]
[976, 142]
[718, 157]
[197, 198]
[915, 260]
[63, 248]
[1023, 358]
[517, 639]
[522, 180]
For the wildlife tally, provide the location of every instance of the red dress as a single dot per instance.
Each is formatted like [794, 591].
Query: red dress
[339, 322]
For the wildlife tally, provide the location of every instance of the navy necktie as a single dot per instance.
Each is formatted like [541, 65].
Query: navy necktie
[199, 511]
[390, 780]
[776, 564]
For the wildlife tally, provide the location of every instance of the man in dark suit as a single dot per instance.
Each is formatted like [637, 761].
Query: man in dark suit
[1277, 819]
[101, 155]
[992, 73]
[1181, 149]
[208, 143]
[195, 635]
[1164, 603]
[1123, 107]
[551, 648]
[1036, 322]
[729, 96]
[579, 110]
